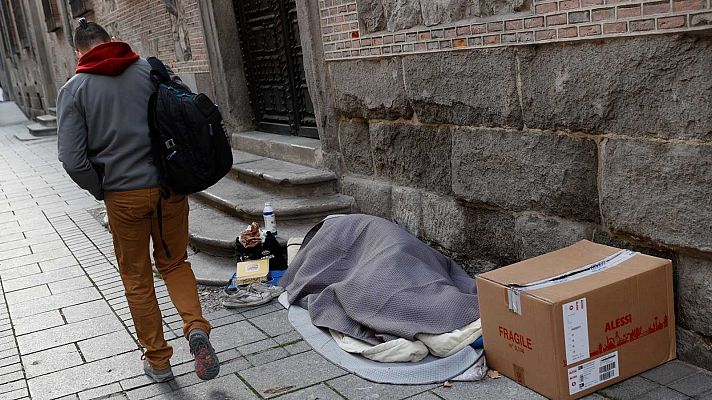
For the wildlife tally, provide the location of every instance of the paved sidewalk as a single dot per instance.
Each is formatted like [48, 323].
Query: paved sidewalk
[66, 332]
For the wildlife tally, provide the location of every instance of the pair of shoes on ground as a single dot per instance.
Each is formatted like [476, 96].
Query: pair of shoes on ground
[207, 365]
[254, 294]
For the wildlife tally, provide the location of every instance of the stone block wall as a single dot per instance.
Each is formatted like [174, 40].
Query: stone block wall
[495, 155]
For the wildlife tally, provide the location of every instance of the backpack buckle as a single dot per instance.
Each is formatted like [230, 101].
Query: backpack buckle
[170, 144]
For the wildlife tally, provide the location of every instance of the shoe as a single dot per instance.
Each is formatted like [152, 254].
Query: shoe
[271, 290]
[158, 375]
[245, 297]
[207, 365]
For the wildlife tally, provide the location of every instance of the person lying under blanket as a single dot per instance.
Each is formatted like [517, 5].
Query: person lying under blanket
[381, 292]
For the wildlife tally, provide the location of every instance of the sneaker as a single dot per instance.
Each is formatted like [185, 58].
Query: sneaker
[271, 290]
[158, 375]
[245, 297]
[207, 365]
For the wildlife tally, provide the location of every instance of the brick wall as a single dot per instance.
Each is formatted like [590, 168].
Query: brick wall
[147, 27]
[547, 21]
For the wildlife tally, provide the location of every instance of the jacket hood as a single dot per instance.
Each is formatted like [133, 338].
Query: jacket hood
[110, 58]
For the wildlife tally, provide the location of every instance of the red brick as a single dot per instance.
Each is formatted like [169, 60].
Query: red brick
[424, 36]
[603, 14]
[569, 5]
[671, 22]
[578, 17]
[495, 26]
[513, 25]
[459, 43]
[492, 39]
[615, 27]
[476, 41]
[642, 25]
[568, 32]
[587, 3]
[545, 8]
[629, 11]
[701, 19]
[659, 7]
[545, 35]
[525, 37]
[590, 30]
[687, 5]
[463, 31]
[535, 22]
[479, 28]
[509, 38]
[557, 19]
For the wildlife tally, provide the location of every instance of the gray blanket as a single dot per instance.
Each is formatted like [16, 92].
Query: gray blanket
[370, 279]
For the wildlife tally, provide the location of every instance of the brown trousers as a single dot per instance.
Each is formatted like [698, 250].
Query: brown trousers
[133, 220]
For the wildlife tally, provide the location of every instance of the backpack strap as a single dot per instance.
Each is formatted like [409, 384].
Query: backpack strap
[159, 73]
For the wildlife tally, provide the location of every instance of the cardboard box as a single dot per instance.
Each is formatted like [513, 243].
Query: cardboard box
[573, 321]
[252, 271]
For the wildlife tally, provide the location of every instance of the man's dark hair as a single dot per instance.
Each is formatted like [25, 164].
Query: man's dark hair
[89, 34]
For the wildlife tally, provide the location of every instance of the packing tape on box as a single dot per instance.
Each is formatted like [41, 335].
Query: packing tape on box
[514, 291]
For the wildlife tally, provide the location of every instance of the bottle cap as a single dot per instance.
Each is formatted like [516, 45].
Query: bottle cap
[268, 204]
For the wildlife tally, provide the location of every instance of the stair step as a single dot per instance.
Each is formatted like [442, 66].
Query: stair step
[47, 120]
[295, 149]
[247, 202]
[282, 177]
[214, 232]
[211, 270]
[22, 134]
[52, 111]
[37, 129]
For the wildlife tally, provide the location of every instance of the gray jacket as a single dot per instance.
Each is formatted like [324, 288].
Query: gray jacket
[103, 134]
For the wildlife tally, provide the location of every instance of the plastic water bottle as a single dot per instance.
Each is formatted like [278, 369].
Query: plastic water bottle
[270, 220]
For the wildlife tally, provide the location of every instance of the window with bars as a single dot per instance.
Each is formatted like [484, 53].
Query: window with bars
[52, 15]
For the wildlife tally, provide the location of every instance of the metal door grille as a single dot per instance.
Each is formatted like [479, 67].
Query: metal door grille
[272, 52]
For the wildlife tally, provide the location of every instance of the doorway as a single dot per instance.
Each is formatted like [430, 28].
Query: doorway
[272, 52]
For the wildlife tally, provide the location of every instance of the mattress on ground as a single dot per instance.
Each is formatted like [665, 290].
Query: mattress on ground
[429, 370]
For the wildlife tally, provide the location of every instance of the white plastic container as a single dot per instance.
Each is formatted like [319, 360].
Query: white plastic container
[270, 220]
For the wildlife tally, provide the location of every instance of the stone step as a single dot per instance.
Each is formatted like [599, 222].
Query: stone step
[52, 111]
[214, 232]
[47, 120]
[282, 177]
[211, 270]
[295, 149]
[37, 129]
[22, 134]
[246, 202]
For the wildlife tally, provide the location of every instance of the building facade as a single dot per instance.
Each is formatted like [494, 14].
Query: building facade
[496, 130]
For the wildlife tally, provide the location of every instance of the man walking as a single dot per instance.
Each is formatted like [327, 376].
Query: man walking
[104, 145]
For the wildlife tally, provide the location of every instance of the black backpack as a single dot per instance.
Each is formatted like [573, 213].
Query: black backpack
[190, 147]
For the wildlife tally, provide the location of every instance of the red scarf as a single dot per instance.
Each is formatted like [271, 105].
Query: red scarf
[110, 58]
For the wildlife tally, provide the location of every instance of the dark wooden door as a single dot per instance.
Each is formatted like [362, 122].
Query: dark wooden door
[272, 52]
